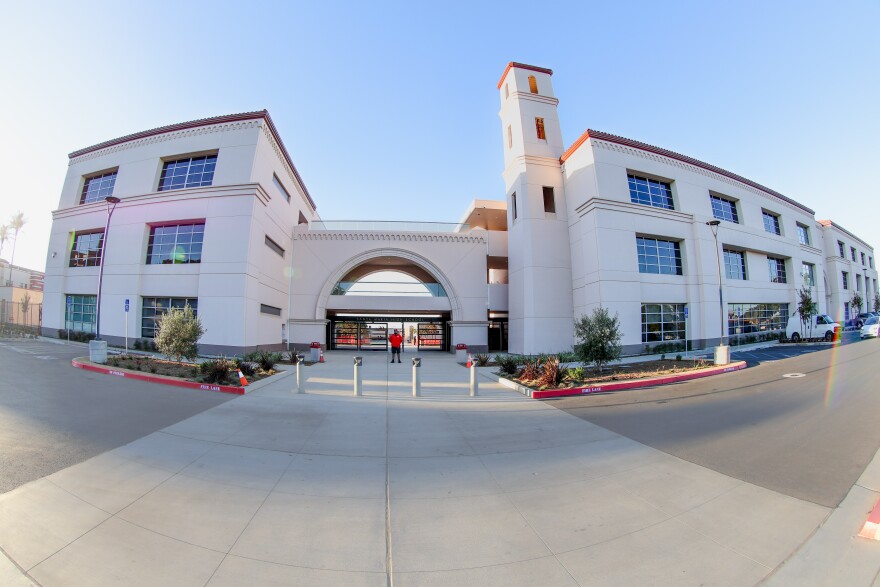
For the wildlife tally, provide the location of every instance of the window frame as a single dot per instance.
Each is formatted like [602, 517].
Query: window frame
[70, 310]
[549, 191]
[540, 131]
[100, 175]
[809, 276]
[151, 242]
[841, 248]
[845, 279]
[155, 309]
[664, 200]
[89, 260]
[765, 317]
[644, 256]
[780, 275]
[275, 247]
[852, 254]
[676, 321]
[166, 161]
[277, 181]
[729, 254]
[765, 215]
[803, 233]
[718, 213]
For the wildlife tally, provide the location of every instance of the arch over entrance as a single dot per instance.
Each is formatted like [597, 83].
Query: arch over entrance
[384, 259]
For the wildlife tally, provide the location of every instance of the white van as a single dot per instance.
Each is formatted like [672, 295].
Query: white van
[822, 326]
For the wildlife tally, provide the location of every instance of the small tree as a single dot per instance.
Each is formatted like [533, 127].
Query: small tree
[178, 333]
[25, 304]
[598, 338]
[856, 304]
[806, 308]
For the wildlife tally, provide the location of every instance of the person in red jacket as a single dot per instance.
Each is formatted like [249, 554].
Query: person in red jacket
[396, 340]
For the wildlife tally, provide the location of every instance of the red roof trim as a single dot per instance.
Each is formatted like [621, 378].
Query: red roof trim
[522, 66]
[604, 136]
[260, 114]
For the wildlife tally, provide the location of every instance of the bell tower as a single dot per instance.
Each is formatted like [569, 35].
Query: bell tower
[539, 251]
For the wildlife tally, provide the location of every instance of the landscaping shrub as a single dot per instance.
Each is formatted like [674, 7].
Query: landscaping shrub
[137, 344]
[247, 368]
[551, 372]
[531, 370]
[599, 335]
[507, 364]
[178, 333]
[264, 359]
[482, 359]
[575, 374]
[215, 371]
[569, 357]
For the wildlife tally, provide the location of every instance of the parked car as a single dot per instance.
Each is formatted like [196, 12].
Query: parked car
[871, 327]
[859, 320]
[818, 326]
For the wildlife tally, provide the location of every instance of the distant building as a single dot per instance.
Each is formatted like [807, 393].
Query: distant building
[214, 214]
[21, 295]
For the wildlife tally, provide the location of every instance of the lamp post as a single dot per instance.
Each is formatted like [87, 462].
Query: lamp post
[722, 356]
[98, 347]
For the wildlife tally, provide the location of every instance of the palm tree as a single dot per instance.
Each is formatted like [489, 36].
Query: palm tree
[4, 236]
[18, 220]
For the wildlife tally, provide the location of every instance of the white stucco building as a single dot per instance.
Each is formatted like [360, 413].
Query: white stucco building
[213, 213]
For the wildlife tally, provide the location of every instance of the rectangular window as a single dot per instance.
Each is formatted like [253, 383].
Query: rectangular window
[858, 282]
[863, 258]
[98, 187]
[274, 246]
[724, 209]
[79, 315]
[808, 272]
[753, 318]
[734, 264]
[86, 249]
[549, 201]
[280, 187]
[663, 322]
[841, 249]
[155, 308]
[650, 192]
[846, 311]
[659, 256]
[175, 243]
[845, 277]
[509, 137]
[188, 173]
[539, 128]
[852, 252]
[803, 234]
[513, 204]
[264, 309]
[777, 269]
[771, 223]
[871, 262]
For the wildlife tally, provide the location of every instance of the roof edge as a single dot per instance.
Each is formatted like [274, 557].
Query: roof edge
[603, 136]
[829, 222]
[255, 115]
[513, 64]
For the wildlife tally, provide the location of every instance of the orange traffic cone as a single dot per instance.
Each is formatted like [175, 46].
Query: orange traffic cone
[469, 361]
[321, 358]
[241, 378]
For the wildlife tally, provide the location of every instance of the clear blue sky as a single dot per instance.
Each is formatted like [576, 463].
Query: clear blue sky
[389, 109]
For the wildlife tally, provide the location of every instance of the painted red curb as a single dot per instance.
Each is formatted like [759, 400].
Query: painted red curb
[621, 385]
[155, 379]
[871, 529]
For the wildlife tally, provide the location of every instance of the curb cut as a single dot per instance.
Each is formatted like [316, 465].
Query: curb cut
[622, 385]
[81, 363]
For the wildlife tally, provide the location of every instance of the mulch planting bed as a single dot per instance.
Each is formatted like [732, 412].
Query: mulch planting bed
[186, 371]
[626, 372]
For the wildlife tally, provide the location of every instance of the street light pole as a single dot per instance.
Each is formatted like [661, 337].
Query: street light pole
[111, 206]
[713, 225]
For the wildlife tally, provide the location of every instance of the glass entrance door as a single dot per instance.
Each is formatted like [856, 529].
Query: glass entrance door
[431, 336]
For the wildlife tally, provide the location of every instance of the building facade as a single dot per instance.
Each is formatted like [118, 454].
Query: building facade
[213, 214]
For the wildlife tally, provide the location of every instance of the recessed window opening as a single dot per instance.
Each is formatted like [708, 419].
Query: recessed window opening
[98, 187]
[549, 200]
[735, 264]
[804, 235]
[650, 192]
[280, 187]
[663, 322]
[175, 243]
[533, 84]
[808, 273]
[79, 314]
[513, 204]
[539, 128]
[777, 269]
[852, 251]
[841, 249]
[724, 209]
[509, 137]
[845, 277]
[389, 283]
[271, 310]
[771, 222]
[658, 256]
[86, 249]
[188, 172]
[274, 246]
[154, 308]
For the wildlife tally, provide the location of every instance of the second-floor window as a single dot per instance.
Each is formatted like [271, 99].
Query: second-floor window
[98, 187]
[863, 258]
[188, 173]
[771, 223]
[86, 249]
[803, 234]
[808, 272]
[845, 279]
[777, 269]
[658, 256]
[852, 252]
[841, 249]
[724, 209]
[176, 243]
[650, 192]
[734, 264]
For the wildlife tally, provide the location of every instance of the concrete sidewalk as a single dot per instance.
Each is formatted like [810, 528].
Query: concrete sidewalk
[325, 488]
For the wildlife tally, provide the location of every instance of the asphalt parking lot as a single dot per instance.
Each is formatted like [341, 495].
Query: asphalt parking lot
[789, 351]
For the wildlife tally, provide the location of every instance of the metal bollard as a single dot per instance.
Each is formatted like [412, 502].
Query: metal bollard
[474, 385]
[299, 362]
[358, 362]
[417, 383]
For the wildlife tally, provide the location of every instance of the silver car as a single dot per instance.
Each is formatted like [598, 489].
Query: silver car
[871, 327]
